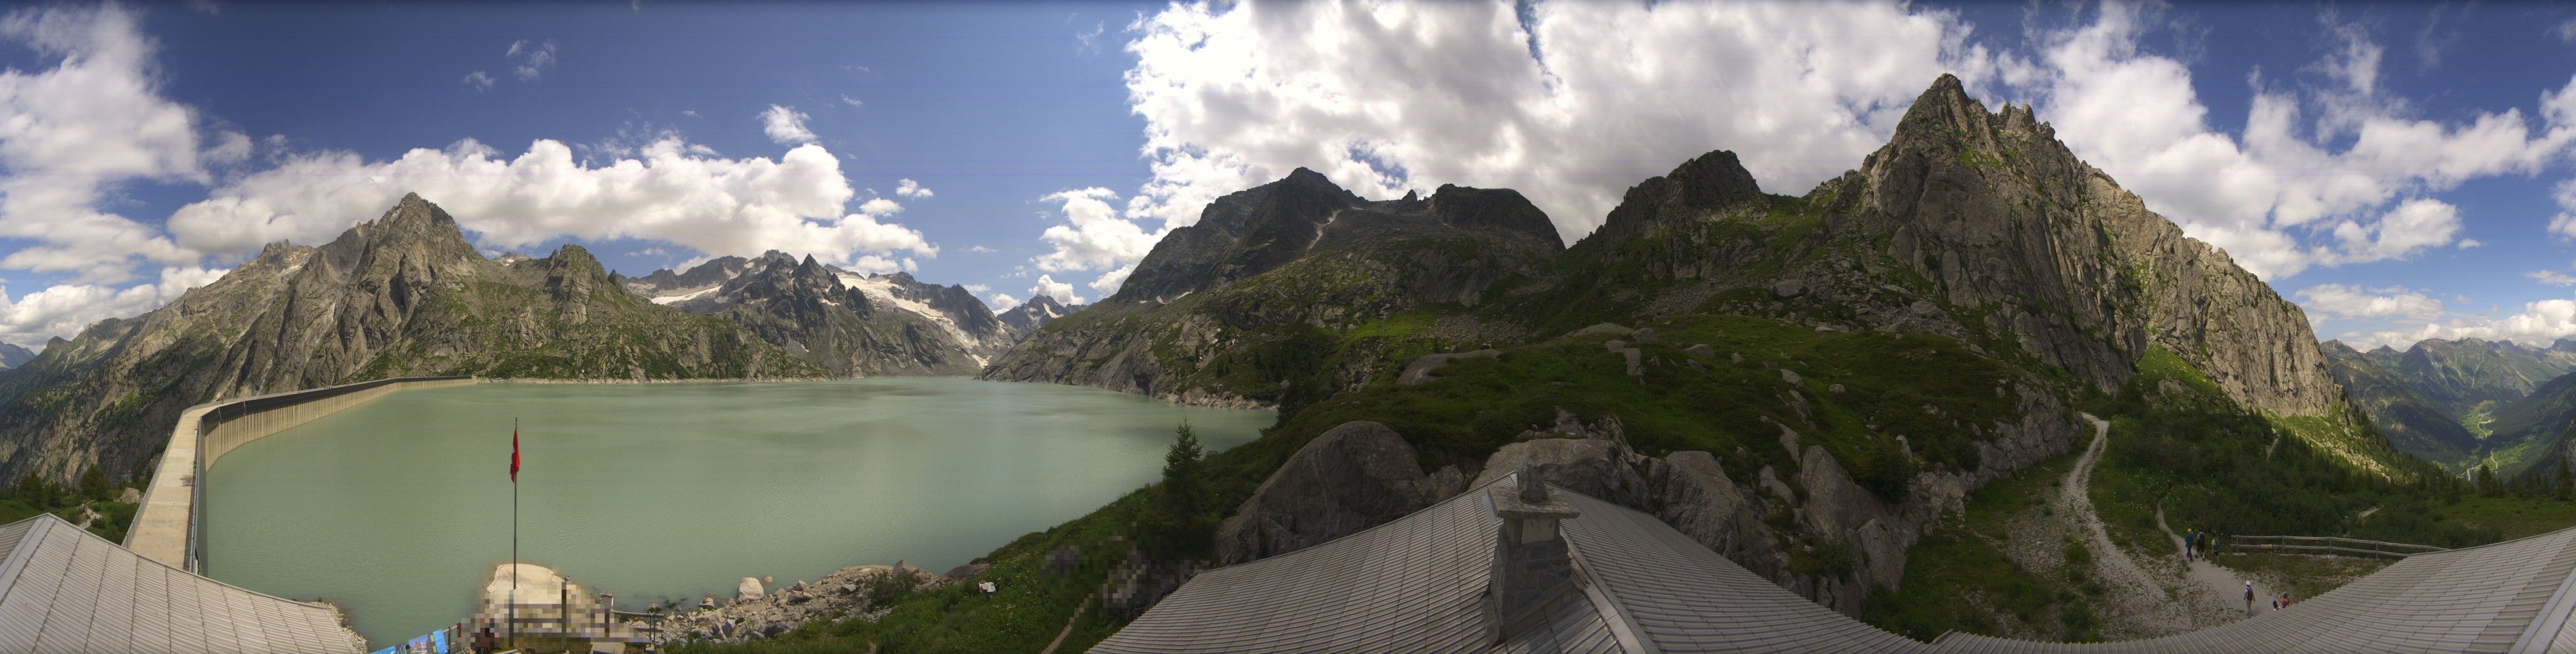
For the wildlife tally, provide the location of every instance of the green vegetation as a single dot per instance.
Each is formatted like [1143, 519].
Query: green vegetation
[1958, 578]
[32, 495]
[2234, 472]
[2477, 418]
[1929, 389]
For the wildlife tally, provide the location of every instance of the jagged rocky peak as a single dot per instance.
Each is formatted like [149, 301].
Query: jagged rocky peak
[1711, 182]
[1254, 231]
[1998, 213]
[1036, 312]
[1501, 210]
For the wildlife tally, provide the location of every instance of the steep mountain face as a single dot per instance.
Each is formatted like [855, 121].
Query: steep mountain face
[1035, 313]
[2003, 220]
[1293, 287]
[849, 323]
[2463, 373]
[1973, 225]
[398, 296]
[2412, 421]
[12, 356]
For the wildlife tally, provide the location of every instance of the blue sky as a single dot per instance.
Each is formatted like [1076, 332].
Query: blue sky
[2401, 170]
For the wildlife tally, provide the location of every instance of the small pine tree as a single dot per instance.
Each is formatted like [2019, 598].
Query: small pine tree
[93, 484]
[1180, 471]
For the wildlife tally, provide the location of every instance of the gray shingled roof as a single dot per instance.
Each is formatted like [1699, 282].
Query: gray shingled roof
[65, 590]
[1416, 585]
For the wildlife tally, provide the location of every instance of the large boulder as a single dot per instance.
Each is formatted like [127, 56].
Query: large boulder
[1355, 476]
[748, 590]
[1591, 466]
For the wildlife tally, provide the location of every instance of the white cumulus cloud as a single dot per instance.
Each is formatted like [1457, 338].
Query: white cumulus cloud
[785, 125]
[1004, 302]
[911, 189]
[2345, 301]
[64, 309]
[668, 192]
[479, 80]
[1061, 291]
[1094, 238]
[92, 119]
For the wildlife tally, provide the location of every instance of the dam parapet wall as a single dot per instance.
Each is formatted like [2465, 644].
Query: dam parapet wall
[167, 528]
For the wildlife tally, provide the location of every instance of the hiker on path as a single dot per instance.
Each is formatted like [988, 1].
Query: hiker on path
[2190, 541]
[2249, 597]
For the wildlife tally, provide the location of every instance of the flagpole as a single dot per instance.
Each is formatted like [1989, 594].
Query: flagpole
[514, 531]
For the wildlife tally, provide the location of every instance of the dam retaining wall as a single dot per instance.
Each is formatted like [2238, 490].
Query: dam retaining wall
[167, 528]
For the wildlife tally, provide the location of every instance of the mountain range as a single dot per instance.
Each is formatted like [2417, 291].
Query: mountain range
[1973, 225]
[2464, 403]
[1891, 340]
[406, 294]
[851, 324]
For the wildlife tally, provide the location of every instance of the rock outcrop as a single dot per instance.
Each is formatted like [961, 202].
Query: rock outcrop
[1354, 476]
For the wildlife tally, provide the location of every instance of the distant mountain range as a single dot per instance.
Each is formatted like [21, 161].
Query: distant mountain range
[2462, 403]
[849, 323]
[1035, 313]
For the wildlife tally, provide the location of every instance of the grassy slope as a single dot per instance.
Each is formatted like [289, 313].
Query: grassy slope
[2232, 472]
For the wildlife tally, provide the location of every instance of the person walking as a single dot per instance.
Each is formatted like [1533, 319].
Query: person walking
[2249, 597]
[2188, 538]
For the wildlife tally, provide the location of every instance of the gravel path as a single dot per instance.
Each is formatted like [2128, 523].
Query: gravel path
[2217, 594]
[2137, 601]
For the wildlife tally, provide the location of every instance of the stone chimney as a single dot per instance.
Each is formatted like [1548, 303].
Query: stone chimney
[1531, 564]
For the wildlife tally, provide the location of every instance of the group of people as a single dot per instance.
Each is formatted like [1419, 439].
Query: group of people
[2278, 603]
[2197, 545]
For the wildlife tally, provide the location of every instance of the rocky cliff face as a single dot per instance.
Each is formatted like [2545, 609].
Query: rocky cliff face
[1290, 286]
[2001, 216]
[849, 323]
[1035, 313]
[398, 296]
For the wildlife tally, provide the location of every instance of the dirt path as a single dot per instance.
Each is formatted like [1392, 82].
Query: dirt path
[2217, 593]
[2140, 602]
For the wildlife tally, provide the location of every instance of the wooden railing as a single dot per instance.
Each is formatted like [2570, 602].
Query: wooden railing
[2323, 546]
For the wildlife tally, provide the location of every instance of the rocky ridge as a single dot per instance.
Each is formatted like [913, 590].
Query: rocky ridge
[1247, 307]
[1035, 313]
[851, 324]
[2412, 421]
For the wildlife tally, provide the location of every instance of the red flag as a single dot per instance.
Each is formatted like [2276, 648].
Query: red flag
[514, 454]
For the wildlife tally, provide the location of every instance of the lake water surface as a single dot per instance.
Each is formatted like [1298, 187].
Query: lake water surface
[399, 508]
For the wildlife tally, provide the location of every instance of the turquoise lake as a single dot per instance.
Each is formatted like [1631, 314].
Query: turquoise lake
[398, 509]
